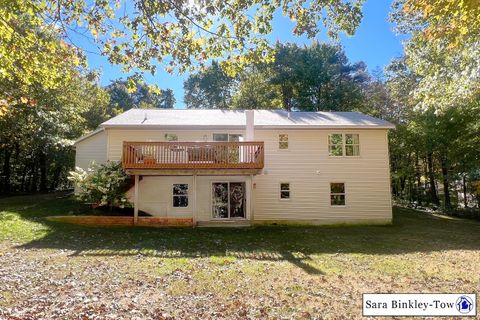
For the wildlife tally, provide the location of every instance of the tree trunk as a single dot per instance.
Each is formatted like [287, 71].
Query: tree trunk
[464, 185]
[446, 190]
[417, 178]
[34, 180]
[42, 162]
[6, 170]
[431, 178]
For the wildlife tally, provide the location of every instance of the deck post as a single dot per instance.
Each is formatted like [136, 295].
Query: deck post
[251, 199]
[194, 216]
[135, 201]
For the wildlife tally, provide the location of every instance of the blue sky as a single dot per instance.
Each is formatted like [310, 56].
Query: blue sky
[374, 43]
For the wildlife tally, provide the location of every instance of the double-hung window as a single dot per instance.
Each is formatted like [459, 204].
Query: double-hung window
[283, 141]
[337, 194]
[180, 195]
[284, 190]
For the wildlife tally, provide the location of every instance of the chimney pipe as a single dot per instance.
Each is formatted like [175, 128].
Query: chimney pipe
[249, 130]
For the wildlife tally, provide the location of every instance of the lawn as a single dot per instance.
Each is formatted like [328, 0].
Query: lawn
[54, 270]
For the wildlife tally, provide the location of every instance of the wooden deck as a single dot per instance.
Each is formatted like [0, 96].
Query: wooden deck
[193, 155]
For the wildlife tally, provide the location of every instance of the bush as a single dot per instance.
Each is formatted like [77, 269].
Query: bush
[102, 185]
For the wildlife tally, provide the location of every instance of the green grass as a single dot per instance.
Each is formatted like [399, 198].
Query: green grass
[267, 271]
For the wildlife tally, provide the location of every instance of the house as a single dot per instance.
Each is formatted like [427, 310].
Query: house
[241, 167]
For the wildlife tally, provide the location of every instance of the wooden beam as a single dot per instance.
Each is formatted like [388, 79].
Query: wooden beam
[194, 200]
[135, 201]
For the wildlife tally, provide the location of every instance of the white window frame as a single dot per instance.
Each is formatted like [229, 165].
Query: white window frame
[289, 191]
[343, 145]
[180, 195]
[170, 135]
[280, 142]
[228, 202]
[330, 194]
[241, 137]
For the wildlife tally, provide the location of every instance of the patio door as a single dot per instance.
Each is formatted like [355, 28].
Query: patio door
[228, 200]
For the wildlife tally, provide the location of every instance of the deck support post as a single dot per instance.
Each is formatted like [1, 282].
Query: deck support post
[135, 201]
[194, 216]
[251, 199]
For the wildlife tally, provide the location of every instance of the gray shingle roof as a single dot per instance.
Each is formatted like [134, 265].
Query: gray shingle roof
[236, 118]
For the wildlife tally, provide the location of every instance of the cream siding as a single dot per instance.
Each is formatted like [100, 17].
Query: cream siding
[117, 136]
[91, 149]
[309, 169]
[306, 165]
[155, 196]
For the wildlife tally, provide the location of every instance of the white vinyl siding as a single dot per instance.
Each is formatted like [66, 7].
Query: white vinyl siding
[310, 168]
[91, 149]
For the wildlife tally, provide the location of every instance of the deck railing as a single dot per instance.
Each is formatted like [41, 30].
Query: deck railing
[193, 155]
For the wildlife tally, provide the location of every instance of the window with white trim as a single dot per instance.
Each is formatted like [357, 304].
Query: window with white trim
[352, 145]
[180, 195]
[171, 137]
[335, 144]
[340, 144]
[337, 194]
[283, 141]
[284, 190]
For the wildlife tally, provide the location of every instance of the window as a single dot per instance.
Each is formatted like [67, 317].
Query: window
[284, 190]
[352, 145]
[283, 141]
[227, 137]
[171, 137]
[340, 144]
[335, 144]
[337, 194]
[180, 195]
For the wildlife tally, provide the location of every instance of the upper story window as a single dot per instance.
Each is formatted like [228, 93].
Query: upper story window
[180, 195]
[283, 141]
[171, 137]
[352, 144]
[227, 137]
[340, 144]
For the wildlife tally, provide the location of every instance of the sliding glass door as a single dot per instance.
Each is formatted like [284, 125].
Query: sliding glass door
[228, 200]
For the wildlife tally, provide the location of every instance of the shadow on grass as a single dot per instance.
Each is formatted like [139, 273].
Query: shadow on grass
[411, 232]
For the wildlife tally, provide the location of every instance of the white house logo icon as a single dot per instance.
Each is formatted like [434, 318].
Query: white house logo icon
[464, 304]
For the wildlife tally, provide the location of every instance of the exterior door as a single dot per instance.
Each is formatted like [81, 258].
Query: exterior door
[228, 200]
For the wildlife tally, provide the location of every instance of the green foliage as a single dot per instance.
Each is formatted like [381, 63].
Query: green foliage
[36, 43]
[31, 53]
[36, 142]
[210, 88]
[102, 185]
[143, 96]
[314, 78]
[443, 49]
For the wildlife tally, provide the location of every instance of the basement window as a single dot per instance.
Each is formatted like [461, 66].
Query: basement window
[180, 195]
[284, 190]
[337, 194]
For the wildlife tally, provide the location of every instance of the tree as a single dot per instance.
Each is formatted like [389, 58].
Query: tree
[210, 88]
[443, 49]
[310, 78]
[178, 34]
[121, 99]
[36, 142]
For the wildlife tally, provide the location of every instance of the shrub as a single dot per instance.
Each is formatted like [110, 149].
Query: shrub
[102, 185]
